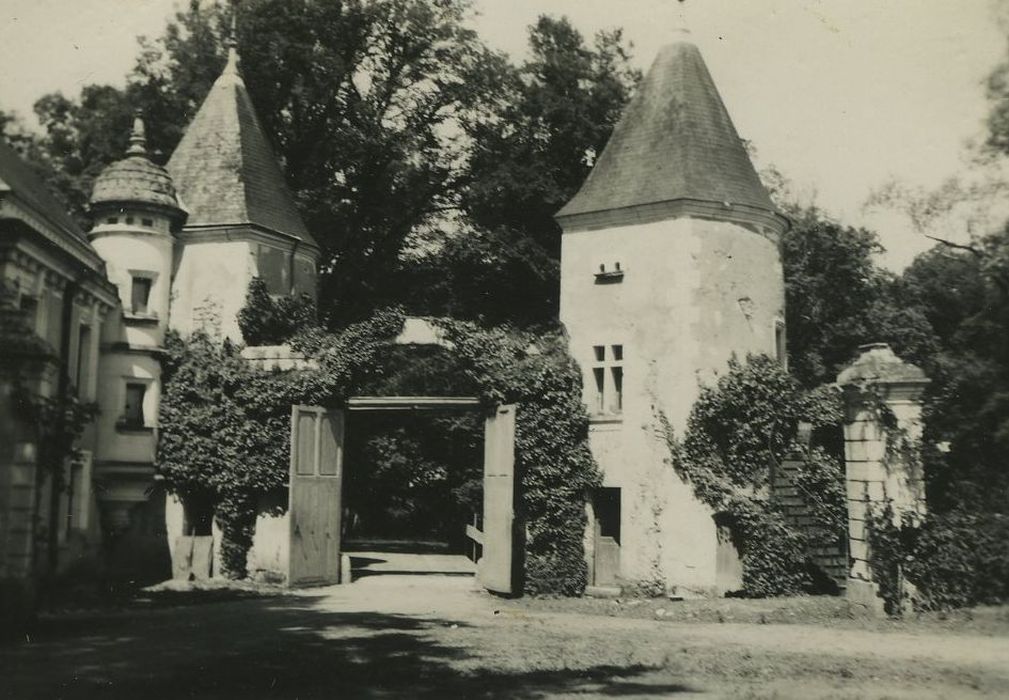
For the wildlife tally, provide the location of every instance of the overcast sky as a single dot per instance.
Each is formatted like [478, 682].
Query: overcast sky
[840, 95]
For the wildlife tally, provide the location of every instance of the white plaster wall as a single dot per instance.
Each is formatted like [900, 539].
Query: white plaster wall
[211, 280]
[127, 249]
[115, 369]
[175, 519]
[268, 556]
[693, 293]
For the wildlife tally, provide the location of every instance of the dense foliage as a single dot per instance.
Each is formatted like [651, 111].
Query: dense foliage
[825, 328]
[225, 436]
[738, 431]
[952, 559]
[269, 320]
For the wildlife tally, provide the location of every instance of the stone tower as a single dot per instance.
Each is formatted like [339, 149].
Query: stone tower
[136, 216]
[669, 266]
[243, 222]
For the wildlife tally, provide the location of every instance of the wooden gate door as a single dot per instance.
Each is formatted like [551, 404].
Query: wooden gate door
[314, 505]
[496, 570]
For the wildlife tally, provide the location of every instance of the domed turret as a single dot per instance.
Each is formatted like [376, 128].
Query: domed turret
[136, 181]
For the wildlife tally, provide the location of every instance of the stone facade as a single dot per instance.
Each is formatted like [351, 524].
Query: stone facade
[669, 267]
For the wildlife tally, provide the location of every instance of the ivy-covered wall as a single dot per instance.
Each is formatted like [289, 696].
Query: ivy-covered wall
[738, 431]
[225, 427]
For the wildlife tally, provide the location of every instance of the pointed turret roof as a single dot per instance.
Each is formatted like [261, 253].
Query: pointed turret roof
[136, 180]
[674, 143]
[224, 169]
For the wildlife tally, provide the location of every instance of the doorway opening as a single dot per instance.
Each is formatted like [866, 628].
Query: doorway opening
[606, 526]
[413, 482]
[316, 553]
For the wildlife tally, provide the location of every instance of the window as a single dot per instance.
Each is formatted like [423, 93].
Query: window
[112, 220]
[609, 274]
[29, 307]
[133, 412]
[608, 379]
[780, 343]
[83, 359]
[140, 295]
[149, 223]
[129, 219]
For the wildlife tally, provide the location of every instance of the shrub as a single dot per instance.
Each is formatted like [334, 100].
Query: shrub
[953, 559]
[269, 320]
[737, 430]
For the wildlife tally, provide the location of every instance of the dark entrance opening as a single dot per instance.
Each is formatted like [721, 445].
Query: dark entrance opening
[414, 480]
[606, 557]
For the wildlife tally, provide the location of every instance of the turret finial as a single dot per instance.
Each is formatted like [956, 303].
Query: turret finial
[138, 137]
[682, 26]
[231, 42]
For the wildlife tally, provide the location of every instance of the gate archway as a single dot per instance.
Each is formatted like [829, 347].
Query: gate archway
[315, 493]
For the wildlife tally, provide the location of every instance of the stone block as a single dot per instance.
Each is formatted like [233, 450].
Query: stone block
[864, 450]
[857, 510]
[863, 430]
[856, 490]
[866, 594]
[857, 549]
[864, 471]
[856, 529]
[876, 491]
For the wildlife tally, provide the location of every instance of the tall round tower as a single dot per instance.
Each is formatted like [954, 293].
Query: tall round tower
[670, 265]
[136, 214]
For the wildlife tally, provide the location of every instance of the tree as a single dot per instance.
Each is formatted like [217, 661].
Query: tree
[363, 100]
[837, 298]
[553, 115]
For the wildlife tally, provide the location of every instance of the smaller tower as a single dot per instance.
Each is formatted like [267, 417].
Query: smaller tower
[135, 215]
[243, 221]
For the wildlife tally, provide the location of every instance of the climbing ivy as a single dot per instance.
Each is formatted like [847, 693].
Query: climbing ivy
[225, 432]
[738, 431]
[269, 320]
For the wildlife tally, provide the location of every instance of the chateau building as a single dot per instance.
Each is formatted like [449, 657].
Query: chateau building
[171, 248]
[669, 266]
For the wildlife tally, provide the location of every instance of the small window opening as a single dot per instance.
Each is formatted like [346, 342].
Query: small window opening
[617, 375]
[112, 220]
[147, 222]
[599, 374]
[608, 376]
[129, 219]
[140, 295]
[133, 411]
[606, 504]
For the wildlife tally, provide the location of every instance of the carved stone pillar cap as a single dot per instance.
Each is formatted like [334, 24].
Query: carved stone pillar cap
[878, 364]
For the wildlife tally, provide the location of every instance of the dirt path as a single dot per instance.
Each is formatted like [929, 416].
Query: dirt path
[434, 636]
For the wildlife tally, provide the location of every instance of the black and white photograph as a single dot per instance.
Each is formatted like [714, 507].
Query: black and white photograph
[504, 349]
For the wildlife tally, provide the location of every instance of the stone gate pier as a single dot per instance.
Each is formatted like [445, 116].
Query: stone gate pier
[882, 433]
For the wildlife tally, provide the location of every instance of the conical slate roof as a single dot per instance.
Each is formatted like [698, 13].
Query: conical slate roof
[224, 169]
[675, 141]
[136, 179]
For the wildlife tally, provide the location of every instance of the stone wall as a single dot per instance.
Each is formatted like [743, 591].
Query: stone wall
[881, 433]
